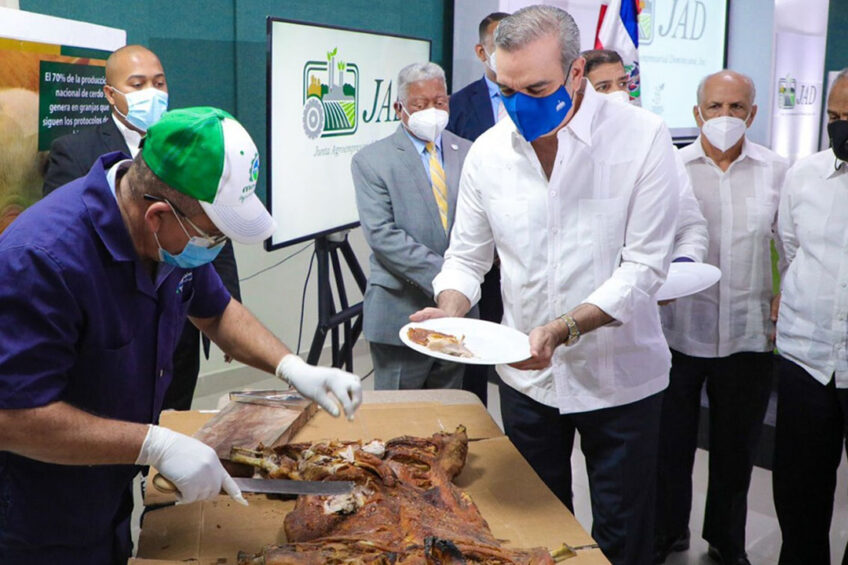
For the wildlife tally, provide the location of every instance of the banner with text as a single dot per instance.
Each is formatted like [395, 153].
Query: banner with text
[46, 91]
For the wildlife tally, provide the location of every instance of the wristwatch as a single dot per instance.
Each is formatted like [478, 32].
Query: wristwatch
[573, 330]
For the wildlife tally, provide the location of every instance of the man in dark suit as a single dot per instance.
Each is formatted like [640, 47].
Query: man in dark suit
[474, 109]
[406, 191]
[137, 92]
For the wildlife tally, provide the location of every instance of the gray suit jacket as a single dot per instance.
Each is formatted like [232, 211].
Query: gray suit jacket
[400, 220]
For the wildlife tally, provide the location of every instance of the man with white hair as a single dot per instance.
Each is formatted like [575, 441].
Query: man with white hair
[406, 187]
[812, 337]
[578, 192]
[721, 337]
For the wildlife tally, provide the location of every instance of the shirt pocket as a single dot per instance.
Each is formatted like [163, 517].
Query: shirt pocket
[601, 228]
[510, 223]
[760, 215]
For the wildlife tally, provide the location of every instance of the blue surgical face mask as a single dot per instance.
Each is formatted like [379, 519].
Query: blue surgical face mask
[144, 107]
[534, 117]
[192, 255]
[198, 251]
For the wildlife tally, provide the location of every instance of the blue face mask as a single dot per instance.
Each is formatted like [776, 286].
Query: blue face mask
[192, 255]
[534, 117]
[198, 251]
[144, 107]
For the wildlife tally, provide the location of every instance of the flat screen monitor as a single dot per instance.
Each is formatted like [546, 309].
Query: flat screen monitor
[330, 93]
[680, 42]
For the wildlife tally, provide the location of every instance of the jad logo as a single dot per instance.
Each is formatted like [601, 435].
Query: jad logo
[330, 97]
[786, 92]
[646, 22]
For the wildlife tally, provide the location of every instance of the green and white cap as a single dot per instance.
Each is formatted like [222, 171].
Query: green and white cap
[206, 154]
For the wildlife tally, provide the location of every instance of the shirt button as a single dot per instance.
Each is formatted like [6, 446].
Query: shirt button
[161, 373]
[553, 194]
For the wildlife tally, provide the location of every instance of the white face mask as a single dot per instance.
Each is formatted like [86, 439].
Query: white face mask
[490, 61]
[723, 132]
[618, 96]
[427, 124]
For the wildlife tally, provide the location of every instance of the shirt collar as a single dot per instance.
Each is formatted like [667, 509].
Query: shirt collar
[131, 137]
[832, 171]
[494, 89]
[749, 151]
[103, 208]
[112, 173]
[420, 144]
[581, 122]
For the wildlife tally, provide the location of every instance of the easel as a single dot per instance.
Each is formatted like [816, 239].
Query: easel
[327, 250]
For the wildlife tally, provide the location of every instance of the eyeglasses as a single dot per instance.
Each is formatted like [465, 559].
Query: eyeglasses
[212, 240]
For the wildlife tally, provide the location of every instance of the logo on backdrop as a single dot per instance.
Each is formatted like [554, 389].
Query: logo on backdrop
[791, 93]
[330, 97]
[646, 22]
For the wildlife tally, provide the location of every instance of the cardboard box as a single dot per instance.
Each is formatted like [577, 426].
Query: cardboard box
[518, 506]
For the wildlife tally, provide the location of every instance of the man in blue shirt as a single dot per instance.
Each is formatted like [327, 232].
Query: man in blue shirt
[96, 281]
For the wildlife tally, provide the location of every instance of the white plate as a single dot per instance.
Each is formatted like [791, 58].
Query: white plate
[687, 278]
[491, 344]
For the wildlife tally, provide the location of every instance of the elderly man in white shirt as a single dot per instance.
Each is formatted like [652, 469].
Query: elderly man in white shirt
[721, 336]
[812, 337]
[579, 195]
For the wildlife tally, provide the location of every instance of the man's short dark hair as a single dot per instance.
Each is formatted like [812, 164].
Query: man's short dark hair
[597, 57]
[487, 21]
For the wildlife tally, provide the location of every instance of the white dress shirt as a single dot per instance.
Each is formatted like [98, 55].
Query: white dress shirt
[599, 232]
[691, 238]
[740, 206]
[812, 329]
[131, 137]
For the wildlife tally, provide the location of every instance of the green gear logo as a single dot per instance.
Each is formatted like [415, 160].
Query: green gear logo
[330, 108]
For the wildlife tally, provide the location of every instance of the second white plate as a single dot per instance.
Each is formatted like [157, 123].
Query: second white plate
[687, 278]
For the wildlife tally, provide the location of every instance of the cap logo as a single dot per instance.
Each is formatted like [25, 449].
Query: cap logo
[254, 168]
[253, 176]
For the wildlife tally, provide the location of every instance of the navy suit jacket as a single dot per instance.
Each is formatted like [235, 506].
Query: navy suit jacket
[471, 111]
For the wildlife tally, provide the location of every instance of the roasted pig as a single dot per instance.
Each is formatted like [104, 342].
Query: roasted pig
[404, 509]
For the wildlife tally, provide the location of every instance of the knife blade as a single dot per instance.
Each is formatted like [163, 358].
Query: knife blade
[286, 486]
[273, 486]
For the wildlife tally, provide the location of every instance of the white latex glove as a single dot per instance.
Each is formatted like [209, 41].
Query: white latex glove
[190, 464]
[316, 383]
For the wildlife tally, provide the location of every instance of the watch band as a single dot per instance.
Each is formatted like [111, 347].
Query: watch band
[573, 330]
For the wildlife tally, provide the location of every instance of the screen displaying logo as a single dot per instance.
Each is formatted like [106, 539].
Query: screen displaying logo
[330, 97]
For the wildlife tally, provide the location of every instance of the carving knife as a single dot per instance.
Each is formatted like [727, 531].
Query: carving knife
[274, 486]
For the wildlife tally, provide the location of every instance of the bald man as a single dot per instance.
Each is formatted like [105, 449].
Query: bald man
[137, 92]
[721, 337]
[133, 74]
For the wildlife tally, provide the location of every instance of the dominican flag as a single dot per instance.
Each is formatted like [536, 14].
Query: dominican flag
[618, 30]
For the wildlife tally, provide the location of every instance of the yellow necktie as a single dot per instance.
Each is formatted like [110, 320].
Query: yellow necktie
[440, 186]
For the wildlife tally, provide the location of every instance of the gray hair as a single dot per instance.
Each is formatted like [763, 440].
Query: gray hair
[417, 72]
[843, 74]
[530, 23]
[752, 90]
